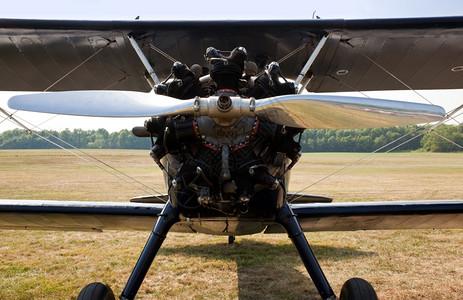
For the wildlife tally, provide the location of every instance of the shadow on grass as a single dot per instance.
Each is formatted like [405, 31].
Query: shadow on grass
[267, 271]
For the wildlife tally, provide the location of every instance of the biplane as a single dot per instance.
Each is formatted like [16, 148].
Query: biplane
[226, 103]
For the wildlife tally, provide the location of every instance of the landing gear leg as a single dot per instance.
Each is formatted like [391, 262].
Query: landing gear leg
[288, 220]
[166, 219]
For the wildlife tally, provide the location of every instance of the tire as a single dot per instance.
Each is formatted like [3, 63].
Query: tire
[231, 239]
[96, 291]
[357, 289]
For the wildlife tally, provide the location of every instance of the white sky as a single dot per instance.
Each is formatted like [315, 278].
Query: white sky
[234, 9]
[219, 10]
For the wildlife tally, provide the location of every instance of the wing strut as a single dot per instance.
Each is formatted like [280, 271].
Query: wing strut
[145, 61]
[10, 116]
[307, 66]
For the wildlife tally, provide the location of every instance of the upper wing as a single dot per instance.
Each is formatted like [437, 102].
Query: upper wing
[425, 53]
[37, 55]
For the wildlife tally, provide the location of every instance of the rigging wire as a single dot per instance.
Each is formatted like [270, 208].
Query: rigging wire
[395, 77]
[444, 120]
[7, 115]
[349, 86]
[9, 140]
[13, 119]
[391, 74]
[145, 188]
[4, 119]
[454, 111]
[287, 56]
[388, 151]
[46, 121]
[423, 127]
[78, 66]
[163, 53]
[292, 53]
[109, 166]
[10, 118]
[66, 75]
[448, 140]
[281, 60]
[356, 161]
[89, 161]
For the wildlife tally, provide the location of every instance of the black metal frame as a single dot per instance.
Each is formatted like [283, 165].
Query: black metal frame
[288, 220]
[170, 216]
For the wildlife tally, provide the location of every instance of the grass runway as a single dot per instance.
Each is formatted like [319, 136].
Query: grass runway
[412, 264]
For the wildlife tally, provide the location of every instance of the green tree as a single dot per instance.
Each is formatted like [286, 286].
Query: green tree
[445, 138]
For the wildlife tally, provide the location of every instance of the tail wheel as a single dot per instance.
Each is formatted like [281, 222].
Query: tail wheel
[96, 291]
[357, 289]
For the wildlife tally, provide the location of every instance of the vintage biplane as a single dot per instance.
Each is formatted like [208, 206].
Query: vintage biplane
[227, 102]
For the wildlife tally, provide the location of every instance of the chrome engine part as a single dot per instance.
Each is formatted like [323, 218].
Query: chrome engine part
[223, 154]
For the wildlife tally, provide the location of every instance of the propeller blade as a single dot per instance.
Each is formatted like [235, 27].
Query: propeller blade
[303, 111]
[339, 112]
[102, 104]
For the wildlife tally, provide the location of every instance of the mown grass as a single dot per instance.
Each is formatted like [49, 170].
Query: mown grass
[413, 264]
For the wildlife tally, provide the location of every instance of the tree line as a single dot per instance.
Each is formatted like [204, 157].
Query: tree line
[82, 139]
[445, 138]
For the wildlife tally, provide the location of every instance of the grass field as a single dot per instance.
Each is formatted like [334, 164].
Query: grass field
[413, 264]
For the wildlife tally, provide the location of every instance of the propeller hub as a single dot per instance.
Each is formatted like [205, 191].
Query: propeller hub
[224, 102]
[224, 107]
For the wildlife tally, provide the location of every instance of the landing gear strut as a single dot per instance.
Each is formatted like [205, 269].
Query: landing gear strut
[166, 219]
[353, 289]
[288, 220]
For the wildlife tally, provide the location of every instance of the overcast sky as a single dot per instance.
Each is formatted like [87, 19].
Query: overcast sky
[219, 10]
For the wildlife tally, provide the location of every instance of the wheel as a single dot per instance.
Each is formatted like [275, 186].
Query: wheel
[96, 291]
[357, 289]
[231, 239]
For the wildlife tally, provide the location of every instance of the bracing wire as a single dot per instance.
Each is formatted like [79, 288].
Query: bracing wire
[115, 172]
[356, 161]
[396, 78]
[354, 164]
[109, 166]
[122, 176]
[444, 120]
[78, 66]
[292, 53]
[163, 53]
[448, 140]
[287, 56]
[392, 75]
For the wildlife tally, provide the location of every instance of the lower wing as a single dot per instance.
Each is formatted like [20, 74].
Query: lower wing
[347, 216]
